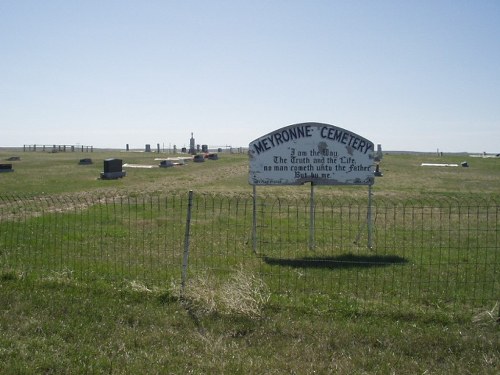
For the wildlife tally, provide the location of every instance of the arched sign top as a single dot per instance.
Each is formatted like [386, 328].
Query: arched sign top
[313, 152]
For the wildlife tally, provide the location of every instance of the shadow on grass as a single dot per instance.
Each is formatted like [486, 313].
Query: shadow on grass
[338, 262]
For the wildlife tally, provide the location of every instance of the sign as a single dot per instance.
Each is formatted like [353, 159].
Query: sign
[311, 152]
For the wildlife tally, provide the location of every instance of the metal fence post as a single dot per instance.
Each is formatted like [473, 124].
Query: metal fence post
[312, 218]
[186, 243]
[369, 218]
[254, 219]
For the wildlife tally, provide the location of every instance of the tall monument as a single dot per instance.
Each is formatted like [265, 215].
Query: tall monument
[192, 149]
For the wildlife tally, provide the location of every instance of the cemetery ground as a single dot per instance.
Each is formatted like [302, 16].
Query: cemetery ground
[59, 323]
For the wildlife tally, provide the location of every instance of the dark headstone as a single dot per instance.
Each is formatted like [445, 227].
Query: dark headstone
[464, 164]
[6, 168]
[85, 161]
[166, 163]
[113, 169]
[198, 158]
[379, 155]
[213, 156]
[112, 165]
[192, 151]
[204, 148]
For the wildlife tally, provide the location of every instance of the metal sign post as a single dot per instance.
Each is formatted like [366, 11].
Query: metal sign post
[312, 244]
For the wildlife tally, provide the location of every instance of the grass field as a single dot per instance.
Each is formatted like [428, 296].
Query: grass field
[56, 173]
[59, 323]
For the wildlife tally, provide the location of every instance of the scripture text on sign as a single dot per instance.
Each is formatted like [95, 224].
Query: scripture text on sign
[311, 152]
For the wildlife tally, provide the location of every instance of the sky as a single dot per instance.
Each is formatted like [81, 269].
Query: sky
[415, 75]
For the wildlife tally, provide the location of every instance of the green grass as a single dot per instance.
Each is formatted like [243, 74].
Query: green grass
[55, 173]
[47, 173]
[442, 255]
[404, 175]
[414, 314]
[58, 325]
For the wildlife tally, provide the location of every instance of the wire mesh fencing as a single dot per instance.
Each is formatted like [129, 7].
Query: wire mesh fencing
[432, 251]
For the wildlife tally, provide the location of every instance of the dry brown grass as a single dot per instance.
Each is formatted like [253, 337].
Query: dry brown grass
[242, 294]
[487, 317]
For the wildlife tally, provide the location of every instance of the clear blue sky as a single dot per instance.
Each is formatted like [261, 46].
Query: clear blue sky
[414, 75]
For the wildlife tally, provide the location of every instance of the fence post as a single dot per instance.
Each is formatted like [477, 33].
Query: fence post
[369, 218]
[186, 243]
[312, 214]
[254, 220]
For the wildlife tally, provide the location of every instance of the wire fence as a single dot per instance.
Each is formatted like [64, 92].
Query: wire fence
[412, 251]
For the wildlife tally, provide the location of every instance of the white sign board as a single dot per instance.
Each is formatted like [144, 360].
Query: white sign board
[311, 152]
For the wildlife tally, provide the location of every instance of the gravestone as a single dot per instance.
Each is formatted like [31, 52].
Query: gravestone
[6, 168]
[378, 157]
[166, 163]
[204, 148]
[379, 154]
[198, 158]
[213, 156]
[192, 150]
[148, 148]
[85, 161]
[113, 169]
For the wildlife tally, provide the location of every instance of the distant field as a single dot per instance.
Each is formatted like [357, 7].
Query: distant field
[57, 173]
